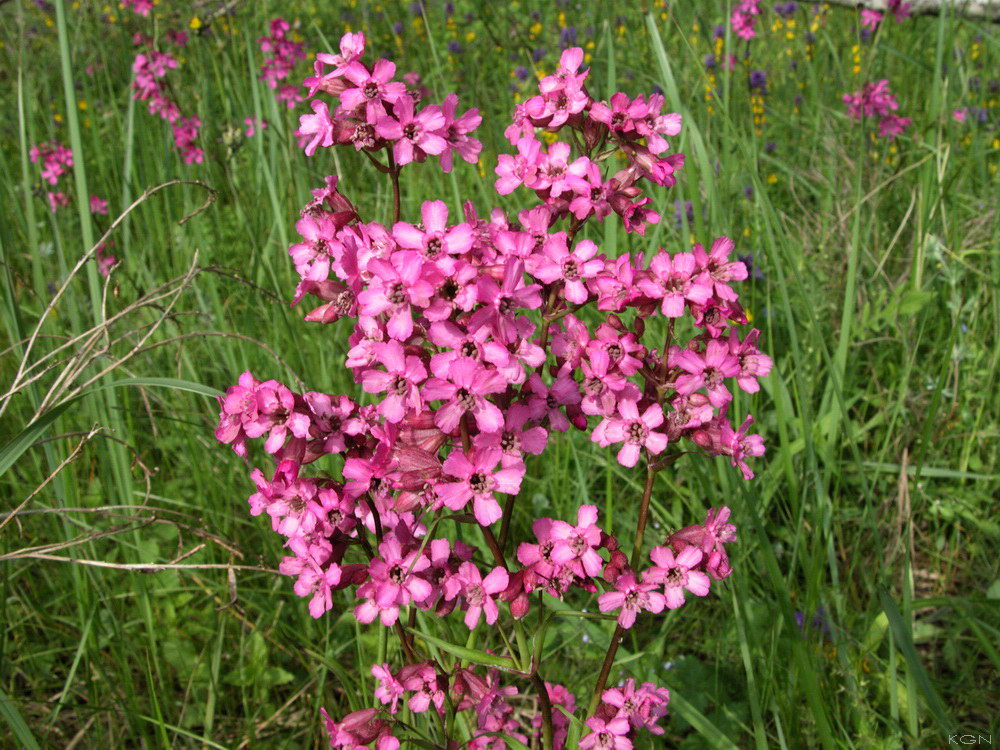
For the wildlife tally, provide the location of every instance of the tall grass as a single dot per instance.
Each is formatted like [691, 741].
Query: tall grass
[863, 607]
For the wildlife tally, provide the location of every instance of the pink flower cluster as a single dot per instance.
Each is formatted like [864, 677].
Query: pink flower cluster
[688, 560]
[466, 338]
[140, 7]
[376, 111]
[150, 68]
[623, 711]
[284, 53]
[744, 18]
[874, 100]
[56, 161]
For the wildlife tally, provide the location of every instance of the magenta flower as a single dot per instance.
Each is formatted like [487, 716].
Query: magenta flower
[415, 135]
[752, 362]
[465, 391]
[352, 47]
[607, 735]
[635, 431]
[708, 370]
[436, 238]
[500, 301]
[643, 707]
[319, 125]
[389, 689]
[737, 444]
[478, 592]
[631, 597]
[402, 376]
[456, 133]
[720, 270]
[513, 171]
[393, 583]
[397, 286]
[515, 439]
[478, 480]
[675, 280]
[426, 685]
[558, 263]
[677, 574]
[373, 89]
[576, 546]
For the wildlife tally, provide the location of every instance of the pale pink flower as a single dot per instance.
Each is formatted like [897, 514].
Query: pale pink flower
[677, 573]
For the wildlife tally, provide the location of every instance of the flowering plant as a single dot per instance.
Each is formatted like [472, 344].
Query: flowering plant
[477, 341]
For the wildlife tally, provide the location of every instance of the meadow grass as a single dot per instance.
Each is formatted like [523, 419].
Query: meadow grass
[863, 607]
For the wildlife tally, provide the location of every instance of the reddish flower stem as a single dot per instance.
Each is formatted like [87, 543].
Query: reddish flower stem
[546, 706]
[640, 531]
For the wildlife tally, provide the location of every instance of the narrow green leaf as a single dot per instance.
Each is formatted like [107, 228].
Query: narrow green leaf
[30, 434]
[10, 714]
[468, 654]
[905, 642]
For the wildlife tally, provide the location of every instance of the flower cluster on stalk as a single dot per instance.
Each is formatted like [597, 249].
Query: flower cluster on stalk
[474, 338]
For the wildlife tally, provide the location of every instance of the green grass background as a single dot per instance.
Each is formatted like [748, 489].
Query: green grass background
[873, 512]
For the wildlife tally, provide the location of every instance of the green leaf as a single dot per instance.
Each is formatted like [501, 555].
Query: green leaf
[913, 301]
[174, 383]
[700, 722]
[902, 636]
[30, 434]
[468, 654]
[10, 714]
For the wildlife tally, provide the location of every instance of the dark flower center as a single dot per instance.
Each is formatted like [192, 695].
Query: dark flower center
[411, 131]
[397, 574]
[469, 349]
[509, 442]
[570, 270]
[397, 295]
[400, 386]
[449, 289]
[433, 248]
[636, 433]
[478, 483]
[465, 399]
[370, 90]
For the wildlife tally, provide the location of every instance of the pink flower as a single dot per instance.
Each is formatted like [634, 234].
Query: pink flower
[319, 125]
[436, 238]
[415, 135]
[373, 89]
[607, 735]
[870, 18]
[479, 479]
[960, 115]
[719, 269]
[643, 707]
[631, 597]
[737, 444]
[635, 431]
[456, 133]
[464, 391]
[709, 371]
[558, 263]
[397, 285]
[352, 47]
[98, 205]
[389, 689]
[576, 546]
[393, 583]
[402, 376]
[513, 171]
[478, 592]
[675, 280]
[677, 574]
[426, 685]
